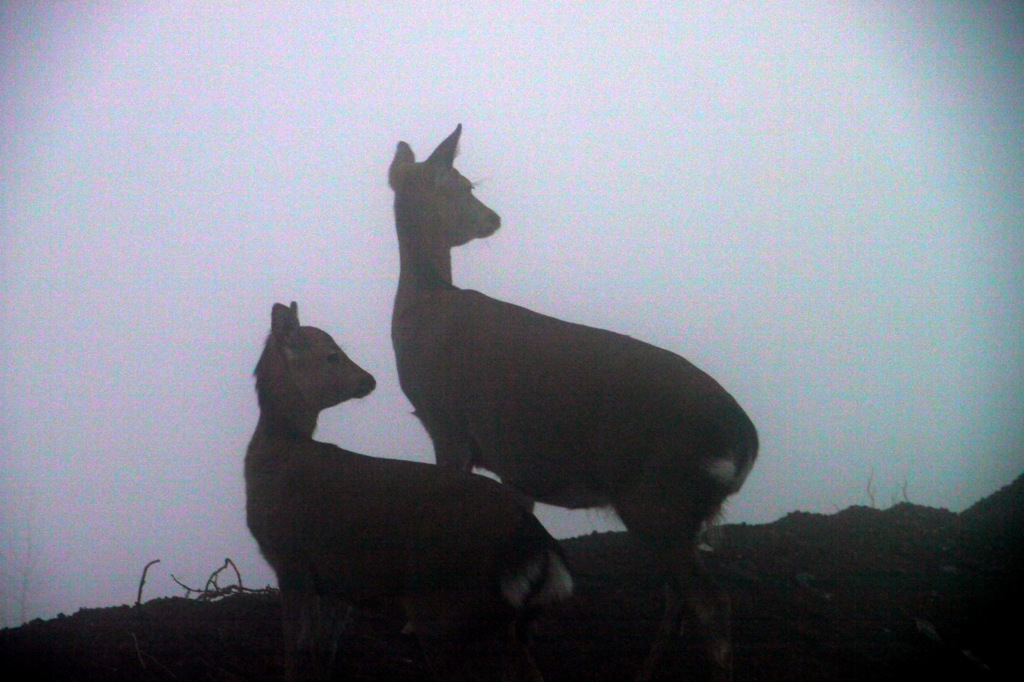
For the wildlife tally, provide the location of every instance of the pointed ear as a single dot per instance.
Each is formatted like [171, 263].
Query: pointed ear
[403, 154]
[445, 153]
[284, 321]
[403, 157]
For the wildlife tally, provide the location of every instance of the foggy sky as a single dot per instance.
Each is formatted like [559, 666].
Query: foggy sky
[822, 207]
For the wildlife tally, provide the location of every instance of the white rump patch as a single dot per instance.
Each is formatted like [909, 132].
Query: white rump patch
[517, 588]
[723, 471]
[536, 585]
[559, 585]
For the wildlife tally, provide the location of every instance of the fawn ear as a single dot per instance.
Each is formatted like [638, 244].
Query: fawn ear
[284, 322]
[403, 157]
[445, 153]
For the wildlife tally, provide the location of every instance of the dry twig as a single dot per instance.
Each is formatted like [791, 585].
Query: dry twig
[142, 581]
[212, 590]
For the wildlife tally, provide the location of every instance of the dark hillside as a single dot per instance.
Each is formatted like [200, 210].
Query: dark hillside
[908, 592]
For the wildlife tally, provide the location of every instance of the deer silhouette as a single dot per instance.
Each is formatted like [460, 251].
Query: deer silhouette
[565, 414]
[466, 561]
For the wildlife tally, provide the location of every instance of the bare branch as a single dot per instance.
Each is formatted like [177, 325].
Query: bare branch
[212, 590]
[188, 590]
[238, 575]
[142, 581]
[871, 487]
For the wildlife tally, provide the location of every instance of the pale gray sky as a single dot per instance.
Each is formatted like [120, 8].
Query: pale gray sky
[822, 206]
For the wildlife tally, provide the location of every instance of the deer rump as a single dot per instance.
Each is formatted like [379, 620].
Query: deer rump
[565, 413]
[396, 530]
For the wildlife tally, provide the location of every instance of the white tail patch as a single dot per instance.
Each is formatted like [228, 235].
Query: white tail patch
[559, 586]
[726, 473]
[723, 471]
[741, 475]
[542, 581]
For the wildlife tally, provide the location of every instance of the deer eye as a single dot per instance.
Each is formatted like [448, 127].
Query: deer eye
[333, 358]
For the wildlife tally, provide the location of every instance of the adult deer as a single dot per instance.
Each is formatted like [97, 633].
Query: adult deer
[457, 551]
[566, 414]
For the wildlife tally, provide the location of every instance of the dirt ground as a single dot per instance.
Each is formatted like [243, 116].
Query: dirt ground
[908, 592]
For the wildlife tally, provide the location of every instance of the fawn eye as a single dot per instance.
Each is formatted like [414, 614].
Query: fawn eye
[334, 358]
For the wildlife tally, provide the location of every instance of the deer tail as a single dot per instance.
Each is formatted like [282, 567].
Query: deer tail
[536, 573]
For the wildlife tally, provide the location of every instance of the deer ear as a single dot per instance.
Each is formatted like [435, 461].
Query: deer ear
[284, 320]
[403, 157]
[445, 153]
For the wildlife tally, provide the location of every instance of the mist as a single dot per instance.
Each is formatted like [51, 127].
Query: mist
[822, 207]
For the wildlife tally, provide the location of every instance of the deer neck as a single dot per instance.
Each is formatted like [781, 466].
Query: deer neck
[280, 422]
[425, 263]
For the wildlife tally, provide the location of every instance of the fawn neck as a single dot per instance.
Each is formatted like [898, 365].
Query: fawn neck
[276, 426]
[284, 414]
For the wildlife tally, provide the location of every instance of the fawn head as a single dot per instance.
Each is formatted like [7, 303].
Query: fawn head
[302, 369]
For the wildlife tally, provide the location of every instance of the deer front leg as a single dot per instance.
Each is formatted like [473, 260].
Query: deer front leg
[453, 446]
[297, 616]
[456, 448]
[312, 627]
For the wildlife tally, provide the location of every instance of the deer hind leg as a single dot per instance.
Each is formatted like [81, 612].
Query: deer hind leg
[665, 518]
[694, 631]
[468, 644]
[705, 610]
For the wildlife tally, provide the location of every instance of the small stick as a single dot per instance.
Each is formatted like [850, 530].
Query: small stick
[188, 590]
[871, 490]
[142, 581]
[212, 588]
[211, 582]
[238, 575]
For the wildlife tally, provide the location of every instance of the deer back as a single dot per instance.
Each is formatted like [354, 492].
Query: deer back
[550, 404]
